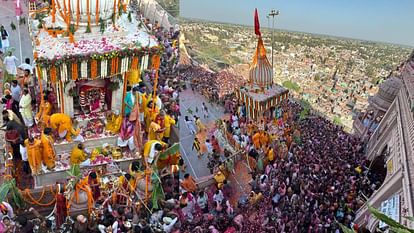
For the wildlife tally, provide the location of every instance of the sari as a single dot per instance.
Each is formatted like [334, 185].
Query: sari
[135, 118]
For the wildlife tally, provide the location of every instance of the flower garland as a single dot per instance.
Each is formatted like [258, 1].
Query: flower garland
[74, 71]
[33, 201]
[97, 13]
[53, 74]
[114, 15]
[136, 52]
[134, 63]
[94, 69]
[88, 13]
[77, 13]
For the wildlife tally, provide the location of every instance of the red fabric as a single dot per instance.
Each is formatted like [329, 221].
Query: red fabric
[61, 211]
[96, 191]
[256, 23]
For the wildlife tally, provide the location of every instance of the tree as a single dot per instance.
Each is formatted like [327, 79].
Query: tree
[394, 225]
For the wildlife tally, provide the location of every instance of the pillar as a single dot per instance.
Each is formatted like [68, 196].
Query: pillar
[68, 104]
[117, 96]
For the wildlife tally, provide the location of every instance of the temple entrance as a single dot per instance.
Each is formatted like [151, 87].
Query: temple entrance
[94, 96]
[378, 169]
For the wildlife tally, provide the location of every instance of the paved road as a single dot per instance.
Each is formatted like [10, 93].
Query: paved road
[195, 166]
[7, 15]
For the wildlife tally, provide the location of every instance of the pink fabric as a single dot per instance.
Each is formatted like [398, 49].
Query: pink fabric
[9, 104]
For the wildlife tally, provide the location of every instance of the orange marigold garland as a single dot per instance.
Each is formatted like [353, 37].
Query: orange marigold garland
[77, 13]
[88, 13]
[74, 71]
[97, 13]
[134, 63]
[53, 74]
[94, 69]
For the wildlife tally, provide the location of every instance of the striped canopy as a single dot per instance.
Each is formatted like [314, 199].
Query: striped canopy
[261, 71]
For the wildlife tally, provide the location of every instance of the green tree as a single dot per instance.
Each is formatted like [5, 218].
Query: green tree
[394, 225]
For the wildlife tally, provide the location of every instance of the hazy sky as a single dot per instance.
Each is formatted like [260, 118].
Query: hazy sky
[378, 20]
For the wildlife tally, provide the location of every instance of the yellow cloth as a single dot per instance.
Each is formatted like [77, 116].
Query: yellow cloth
[34, 155]
[45, 109]
[113, 124]
[201, 127]
[149, 116]
[168, 122]
[270, 155]
[48, 151]
[134, 77]
[62, 122]
[256, 140]
[264, 139]
[137, 175]
[132, 184]
[219, 177]
[77, 156]
[153, 135]
[147, 146]
[144, 101]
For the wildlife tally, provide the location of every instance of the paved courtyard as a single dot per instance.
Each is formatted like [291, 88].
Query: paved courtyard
[197, 167]
[7, 16]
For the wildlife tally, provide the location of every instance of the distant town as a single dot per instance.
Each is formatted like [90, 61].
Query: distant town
[336, 75]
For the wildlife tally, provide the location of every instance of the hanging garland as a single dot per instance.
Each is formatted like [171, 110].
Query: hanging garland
[88, 13]
[97, 12]
[136, 52]
[53, 74]
[74, 71]
[77, 14]
[94, 69]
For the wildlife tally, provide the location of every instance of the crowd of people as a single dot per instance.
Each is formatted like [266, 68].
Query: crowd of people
[307, 176]
[216, 87]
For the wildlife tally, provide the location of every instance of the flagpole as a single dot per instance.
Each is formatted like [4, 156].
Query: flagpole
[18, 12]
[273, 13]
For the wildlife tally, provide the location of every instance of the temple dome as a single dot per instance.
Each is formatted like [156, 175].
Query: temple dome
[387, 92]
[104, 8]
[261, 71]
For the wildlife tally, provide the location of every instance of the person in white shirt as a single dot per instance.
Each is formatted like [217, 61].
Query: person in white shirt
[168, 224]
[25, 106]
[209, 146]
[10, 63]
[202, 201]
[190, 125]
[218, 196]
[26, 65]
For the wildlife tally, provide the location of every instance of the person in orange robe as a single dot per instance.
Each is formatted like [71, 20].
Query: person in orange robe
[256, 140]
[264, 138]
[45, 109]
[93, 181]
[34, 154]
[48, 150]
[160, 120]
[63, 124]
[128, 182]
[270, 154]
[189, 183]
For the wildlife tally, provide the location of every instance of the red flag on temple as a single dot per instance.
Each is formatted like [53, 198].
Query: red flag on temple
[256, 23]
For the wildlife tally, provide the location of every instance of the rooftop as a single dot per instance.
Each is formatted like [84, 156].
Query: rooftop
[256, 94]
[127, 34]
